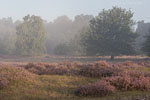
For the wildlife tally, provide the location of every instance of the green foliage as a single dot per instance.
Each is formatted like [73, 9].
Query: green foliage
[110, 33]
[146, 44]
[62, 49]
[30, 36]
[72, 48]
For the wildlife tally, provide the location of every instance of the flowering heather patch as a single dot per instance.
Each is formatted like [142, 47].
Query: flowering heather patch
[97, 69]
[35, 68]
[144, 63]
[101, 88]
[55, 68]
[128, 65]
[92, 70]
[3, 82]
[58, 80]
[103, 64]
[121, 83]
[14, 74]
[127, 82]
[142, 83]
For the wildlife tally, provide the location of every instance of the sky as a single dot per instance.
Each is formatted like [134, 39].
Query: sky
[51, 9]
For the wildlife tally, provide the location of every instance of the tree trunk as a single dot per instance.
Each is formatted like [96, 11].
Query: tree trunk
[112, 57]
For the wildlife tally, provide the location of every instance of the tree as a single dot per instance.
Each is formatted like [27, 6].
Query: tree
[63, 49]
[110, 33]
[142, 31]
[7, 36]
[30, 36]
[146, 44]
[63, 30]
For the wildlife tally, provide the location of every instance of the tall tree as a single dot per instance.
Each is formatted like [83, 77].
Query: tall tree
[111, 33]
[146, 44]
[31, 36]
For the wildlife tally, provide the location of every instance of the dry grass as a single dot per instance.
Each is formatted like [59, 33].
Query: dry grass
[58, 81]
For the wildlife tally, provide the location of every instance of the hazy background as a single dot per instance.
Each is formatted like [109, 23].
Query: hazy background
[51, 9]
[65, 21]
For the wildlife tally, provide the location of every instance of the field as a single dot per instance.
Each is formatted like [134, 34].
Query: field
[94, 79]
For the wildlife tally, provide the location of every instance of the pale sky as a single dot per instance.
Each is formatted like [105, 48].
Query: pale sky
[51, 9]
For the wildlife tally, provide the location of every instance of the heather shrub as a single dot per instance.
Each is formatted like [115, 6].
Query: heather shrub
[127, 64]
[59, 70]
[3, 82]
[101, 88]
[132, 73]
[64, 68]
[92, 70]
[102, 64]
[146, 74]
[130, 64]
[135, 73]
[35, 68]
[121, 83]
[126, 82]
[110, 71]
[55, 68]
[142, 83]
[10, 75]
[97, 69]
[144, 63]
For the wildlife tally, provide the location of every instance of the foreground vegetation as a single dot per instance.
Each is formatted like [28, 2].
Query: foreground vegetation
[75, 81]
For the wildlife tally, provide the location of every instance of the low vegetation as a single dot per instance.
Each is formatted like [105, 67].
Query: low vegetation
[101, 88]
[75, 81]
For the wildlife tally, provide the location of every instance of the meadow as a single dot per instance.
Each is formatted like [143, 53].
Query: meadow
[67, 80]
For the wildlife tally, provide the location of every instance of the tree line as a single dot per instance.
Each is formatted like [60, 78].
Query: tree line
[110, 33]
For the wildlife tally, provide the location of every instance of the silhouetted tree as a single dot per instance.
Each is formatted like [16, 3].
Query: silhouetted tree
[111, 33]
[30, 36]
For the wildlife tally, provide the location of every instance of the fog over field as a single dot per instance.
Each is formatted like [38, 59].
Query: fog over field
[65, 22]
[74, 50]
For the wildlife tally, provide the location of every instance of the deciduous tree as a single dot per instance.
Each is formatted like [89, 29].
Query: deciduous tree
[30, 36]
[111, 33]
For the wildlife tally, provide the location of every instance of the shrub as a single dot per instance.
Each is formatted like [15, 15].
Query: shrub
[35, 68]
[59, 70]
[102, 64]
[94, 70]
[55, 68]
[121, 83]
[97, 69]
[10, 75]
[3, 83]
[127, 82]
[127, 64]
[142, 83]
[145, 64]
[100, 88]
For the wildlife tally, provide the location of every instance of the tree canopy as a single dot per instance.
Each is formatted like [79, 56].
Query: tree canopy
[110, 33]
[30, 36]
